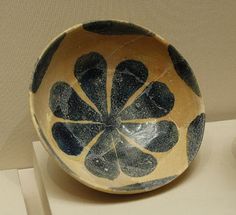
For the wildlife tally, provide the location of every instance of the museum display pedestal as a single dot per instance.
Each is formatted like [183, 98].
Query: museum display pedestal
[30, 192]
[207, 187]
[11, 198]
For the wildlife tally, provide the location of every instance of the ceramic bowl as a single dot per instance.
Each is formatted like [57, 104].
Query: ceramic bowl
[117, 106]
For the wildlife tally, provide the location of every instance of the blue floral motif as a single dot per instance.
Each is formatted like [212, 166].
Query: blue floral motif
[113, 152]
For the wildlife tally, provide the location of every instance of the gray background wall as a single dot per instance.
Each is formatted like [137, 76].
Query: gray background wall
[203, 31]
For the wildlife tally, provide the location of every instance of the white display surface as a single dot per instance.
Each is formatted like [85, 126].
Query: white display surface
[30, 192]
[207, 187]
[11, 199]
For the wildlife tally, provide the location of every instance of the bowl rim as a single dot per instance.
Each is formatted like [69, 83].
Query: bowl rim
[45, 143]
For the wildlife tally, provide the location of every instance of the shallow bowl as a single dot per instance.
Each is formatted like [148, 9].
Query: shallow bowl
[117, 106]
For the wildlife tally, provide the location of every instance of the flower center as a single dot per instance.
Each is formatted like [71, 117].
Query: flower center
[112, 122]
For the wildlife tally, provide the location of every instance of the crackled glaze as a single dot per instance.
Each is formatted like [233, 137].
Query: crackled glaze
[118, 107]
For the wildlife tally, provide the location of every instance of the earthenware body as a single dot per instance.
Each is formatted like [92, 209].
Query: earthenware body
[117, 106]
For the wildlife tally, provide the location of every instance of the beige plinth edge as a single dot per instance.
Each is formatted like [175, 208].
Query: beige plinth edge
[11, 198]
[207, 187]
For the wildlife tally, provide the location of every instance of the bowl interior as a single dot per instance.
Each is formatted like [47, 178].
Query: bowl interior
[118, 107]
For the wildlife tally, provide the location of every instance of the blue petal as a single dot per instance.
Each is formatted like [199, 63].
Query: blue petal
[112, 152]
[44, 62]
[195, 135]
[91, 72]
[148, 185]
[154, 102]
[133, 162]
[154, 136]
[65, 103]
[183, 69]
[115, 28]
[129, 76]
[101, 159]
[71, 138]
